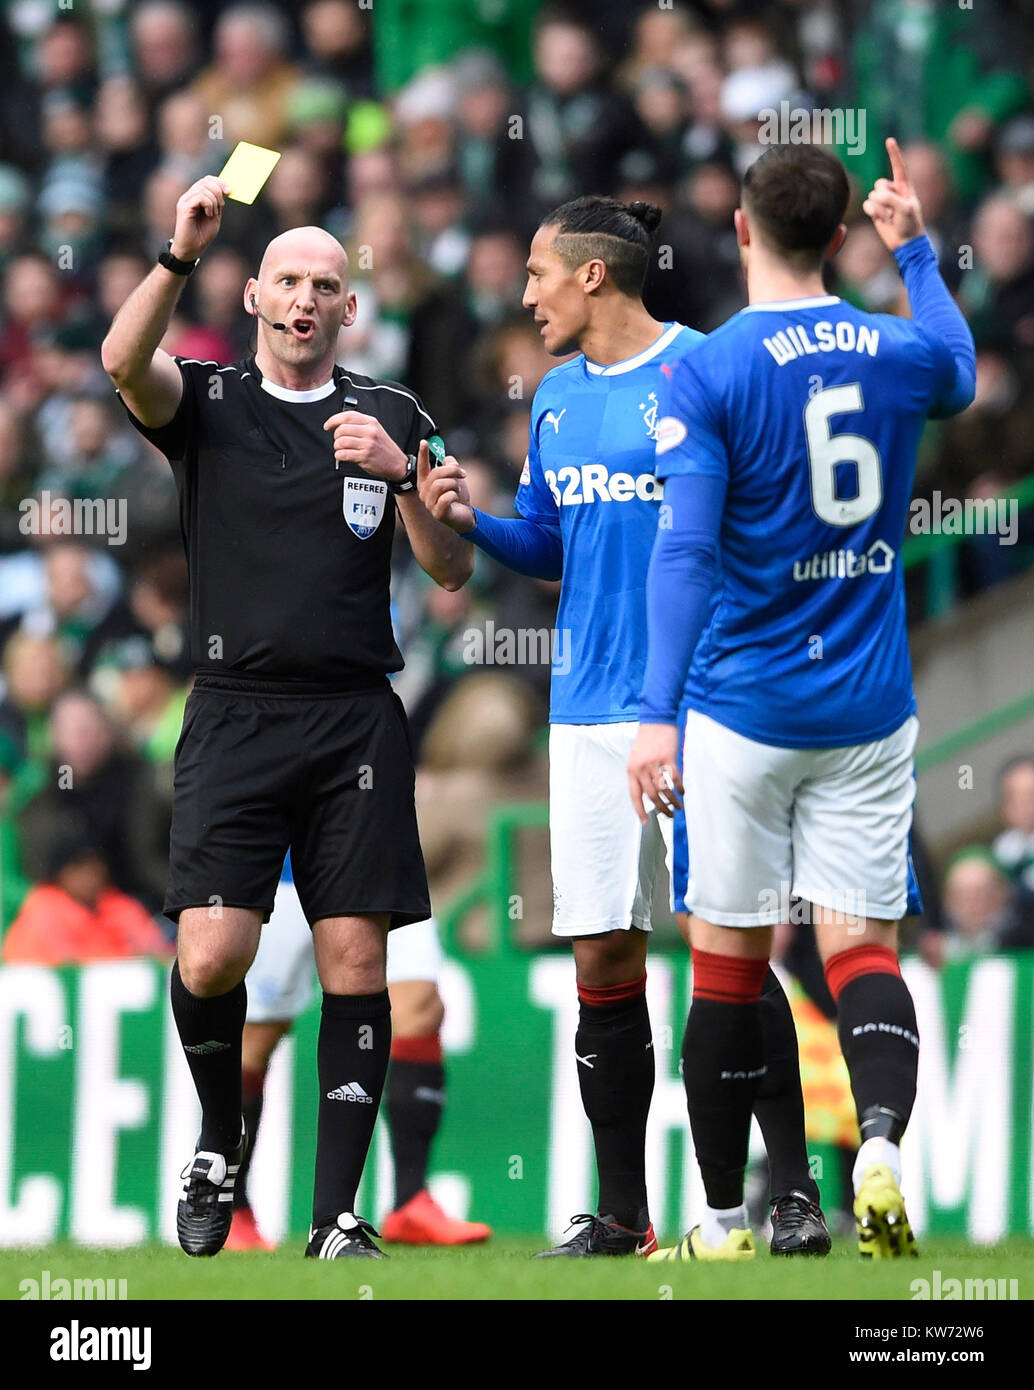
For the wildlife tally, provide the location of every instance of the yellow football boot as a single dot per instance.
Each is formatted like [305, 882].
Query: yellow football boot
[737, 1245]
[879, 1209]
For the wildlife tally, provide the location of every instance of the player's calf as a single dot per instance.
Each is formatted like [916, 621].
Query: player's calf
[723, 1064]
[614, 1059]
[798, 1226]
[879, 1038]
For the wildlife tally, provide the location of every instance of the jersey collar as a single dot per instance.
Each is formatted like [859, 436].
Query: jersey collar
[284, 393]
[817, 302]
[630, 363]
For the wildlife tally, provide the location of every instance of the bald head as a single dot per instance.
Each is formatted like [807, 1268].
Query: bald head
[309, 245]
[303, 283]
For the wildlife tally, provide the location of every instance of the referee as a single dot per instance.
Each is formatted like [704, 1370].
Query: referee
[286, 468]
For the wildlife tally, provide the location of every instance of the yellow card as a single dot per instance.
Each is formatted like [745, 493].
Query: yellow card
[247, 170]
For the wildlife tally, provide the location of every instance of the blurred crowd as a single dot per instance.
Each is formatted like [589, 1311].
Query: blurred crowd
[430, 139]
[987, 903]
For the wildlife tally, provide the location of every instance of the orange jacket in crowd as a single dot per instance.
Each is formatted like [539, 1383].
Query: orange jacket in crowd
[53, 928]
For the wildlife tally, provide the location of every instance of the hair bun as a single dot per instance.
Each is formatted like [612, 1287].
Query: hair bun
[647, 214]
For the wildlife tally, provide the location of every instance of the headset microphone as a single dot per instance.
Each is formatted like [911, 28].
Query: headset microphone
[280, 327]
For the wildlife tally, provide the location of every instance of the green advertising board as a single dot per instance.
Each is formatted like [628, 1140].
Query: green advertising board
[98, 1114]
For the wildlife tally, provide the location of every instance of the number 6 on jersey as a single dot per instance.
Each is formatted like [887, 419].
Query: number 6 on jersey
[826, 450]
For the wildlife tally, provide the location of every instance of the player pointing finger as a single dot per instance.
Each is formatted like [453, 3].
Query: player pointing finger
[893, 204]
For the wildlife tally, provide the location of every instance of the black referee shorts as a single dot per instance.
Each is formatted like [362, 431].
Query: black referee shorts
[330, 776]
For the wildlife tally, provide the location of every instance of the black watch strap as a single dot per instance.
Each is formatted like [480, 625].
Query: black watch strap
[173, 263]
[407, 483]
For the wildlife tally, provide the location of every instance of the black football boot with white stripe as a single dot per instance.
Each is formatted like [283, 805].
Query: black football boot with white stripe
[205, 1207]
[347, 1237]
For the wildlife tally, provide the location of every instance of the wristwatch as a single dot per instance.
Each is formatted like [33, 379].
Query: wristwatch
[173, 263]
[407, 483]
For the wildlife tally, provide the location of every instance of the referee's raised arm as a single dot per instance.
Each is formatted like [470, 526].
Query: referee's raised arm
[146, 377]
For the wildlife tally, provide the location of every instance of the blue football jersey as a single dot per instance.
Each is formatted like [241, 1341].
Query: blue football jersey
[590, 470]
[812, 410]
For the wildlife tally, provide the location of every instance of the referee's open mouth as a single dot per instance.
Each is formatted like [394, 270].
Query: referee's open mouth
[303, 328]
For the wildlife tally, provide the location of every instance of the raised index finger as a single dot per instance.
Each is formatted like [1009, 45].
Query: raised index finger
[897, 161]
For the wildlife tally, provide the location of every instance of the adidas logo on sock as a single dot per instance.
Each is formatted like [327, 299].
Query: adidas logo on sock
[206, 1047]
[352, 1091]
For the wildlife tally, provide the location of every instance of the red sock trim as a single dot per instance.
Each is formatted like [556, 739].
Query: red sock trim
[727, 979]
[612, 994]
[848, 965]
[252, 1083]
[426, 1049]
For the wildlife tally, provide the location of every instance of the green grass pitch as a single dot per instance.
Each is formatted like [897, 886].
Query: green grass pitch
[502, 1270]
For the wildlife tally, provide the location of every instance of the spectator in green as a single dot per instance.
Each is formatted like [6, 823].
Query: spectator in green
[927, 71]
[96, 454]
[983, 910]
[1013, 847]
[144, 694]
[18, 780]
[35, 669]
[410, 35]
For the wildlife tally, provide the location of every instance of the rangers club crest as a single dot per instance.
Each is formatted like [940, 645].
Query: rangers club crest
[650, 414]
[363, 505]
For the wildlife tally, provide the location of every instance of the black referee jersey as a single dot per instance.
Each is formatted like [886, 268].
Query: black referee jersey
[289, 552]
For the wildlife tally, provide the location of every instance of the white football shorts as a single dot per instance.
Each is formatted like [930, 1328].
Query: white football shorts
[829, 825]
[605, 863]
[282, 979]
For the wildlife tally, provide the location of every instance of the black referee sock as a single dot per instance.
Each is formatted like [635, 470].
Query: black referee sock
[210, 1031]
[416, 1095]
[614, 1058]
[352, 1058]
[779, 1103]
[723, 1064]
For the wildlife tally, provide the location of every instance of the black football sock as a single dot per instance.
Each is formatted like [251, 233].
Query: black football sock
[352, 1058]
[415, 1097]
[614, 1051]
[210, 1031]
[779, 1102]
[879, 1037]
[253, 1087]
[723, 1063]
